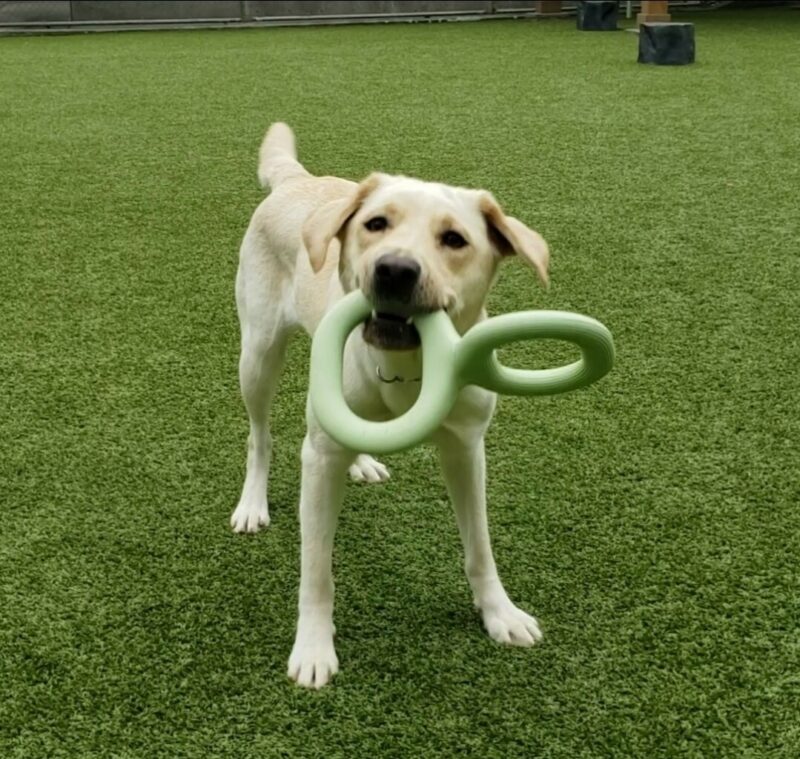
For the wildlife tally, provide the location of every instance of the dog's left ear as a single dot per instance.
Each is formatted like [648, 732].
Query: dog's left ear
[510, 236]
[330, 220]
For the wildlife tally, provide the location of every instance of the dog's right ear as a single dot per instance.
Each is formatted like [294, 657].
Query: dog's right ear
[330, 220]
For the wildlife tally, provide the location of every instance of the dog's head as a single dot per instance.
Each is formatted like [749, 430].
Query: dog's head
[415, 247]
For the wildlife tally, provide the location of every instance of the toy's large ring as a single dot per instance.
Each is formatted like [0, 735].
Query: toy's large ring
[449, 362]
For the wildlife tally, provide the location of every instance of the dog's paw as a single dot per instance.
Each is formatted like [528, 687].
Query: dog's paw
[367, 469]
[313, 663]
[507, 624]
[250, 515]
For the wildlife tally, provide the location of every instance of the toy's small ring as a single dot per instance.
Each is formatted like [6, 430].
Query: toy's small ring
[476, 352]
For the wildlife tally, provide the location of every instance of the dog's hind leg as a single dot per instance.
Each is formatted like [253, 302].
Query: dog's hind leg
[367, 469]
[260, 367]
[266, 327]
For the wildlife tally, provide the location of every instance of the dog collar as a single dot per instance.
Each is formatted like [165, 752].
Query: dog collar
[396, 378]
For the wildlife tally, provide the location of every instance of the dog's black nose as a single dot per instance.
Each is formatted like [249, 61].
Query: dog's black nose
[395, 278]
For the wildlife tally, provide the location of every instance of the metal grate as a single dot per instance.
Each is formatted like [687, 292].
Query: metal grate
[83, 15]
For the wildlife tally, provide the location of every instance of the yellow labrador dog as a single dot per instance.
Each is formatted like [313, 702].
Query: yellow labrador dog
[412, 247]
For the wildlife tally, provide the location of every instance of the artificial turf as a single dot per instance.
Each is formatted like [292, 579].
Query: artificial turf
[650, 522]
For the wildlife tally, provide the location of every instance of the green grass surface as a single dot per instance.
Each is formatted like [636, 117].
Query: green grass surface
[651, 522]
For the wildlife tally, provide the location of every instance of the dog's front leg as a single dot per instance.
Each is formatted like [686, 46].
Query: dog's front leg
[313, 659]
[464, 467]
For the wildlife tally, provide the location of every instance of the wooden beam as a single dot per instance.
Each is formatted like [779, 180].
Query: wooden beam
[654, 11]
[548, 6]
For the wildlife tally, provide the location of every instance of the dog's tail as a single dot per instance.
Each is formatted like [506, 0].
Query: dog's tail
[277, 159]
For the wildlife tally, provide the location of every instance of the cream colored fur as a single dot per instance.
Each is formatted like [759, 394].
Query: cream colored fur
[305, 247]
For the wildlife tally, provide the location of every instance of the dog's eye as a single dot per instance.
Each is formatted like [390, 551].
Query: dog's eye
[376, 224]
[451, 239]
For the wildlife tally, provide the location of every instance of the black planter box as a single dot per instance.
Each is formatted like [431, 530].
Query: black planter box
[597, 16]
[666, 44]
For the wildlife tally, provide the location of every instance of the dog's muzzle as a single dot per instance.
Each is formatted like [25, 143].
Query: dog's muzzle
[395, 296]
[394, 284]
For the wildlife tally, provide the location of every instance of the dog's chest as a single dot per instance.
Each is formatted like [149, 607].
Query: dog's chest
[399, 397]
[399, 376]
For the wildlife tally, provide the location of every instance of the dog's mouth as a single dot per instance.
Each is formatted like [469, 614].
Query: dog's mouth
[391, 332]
